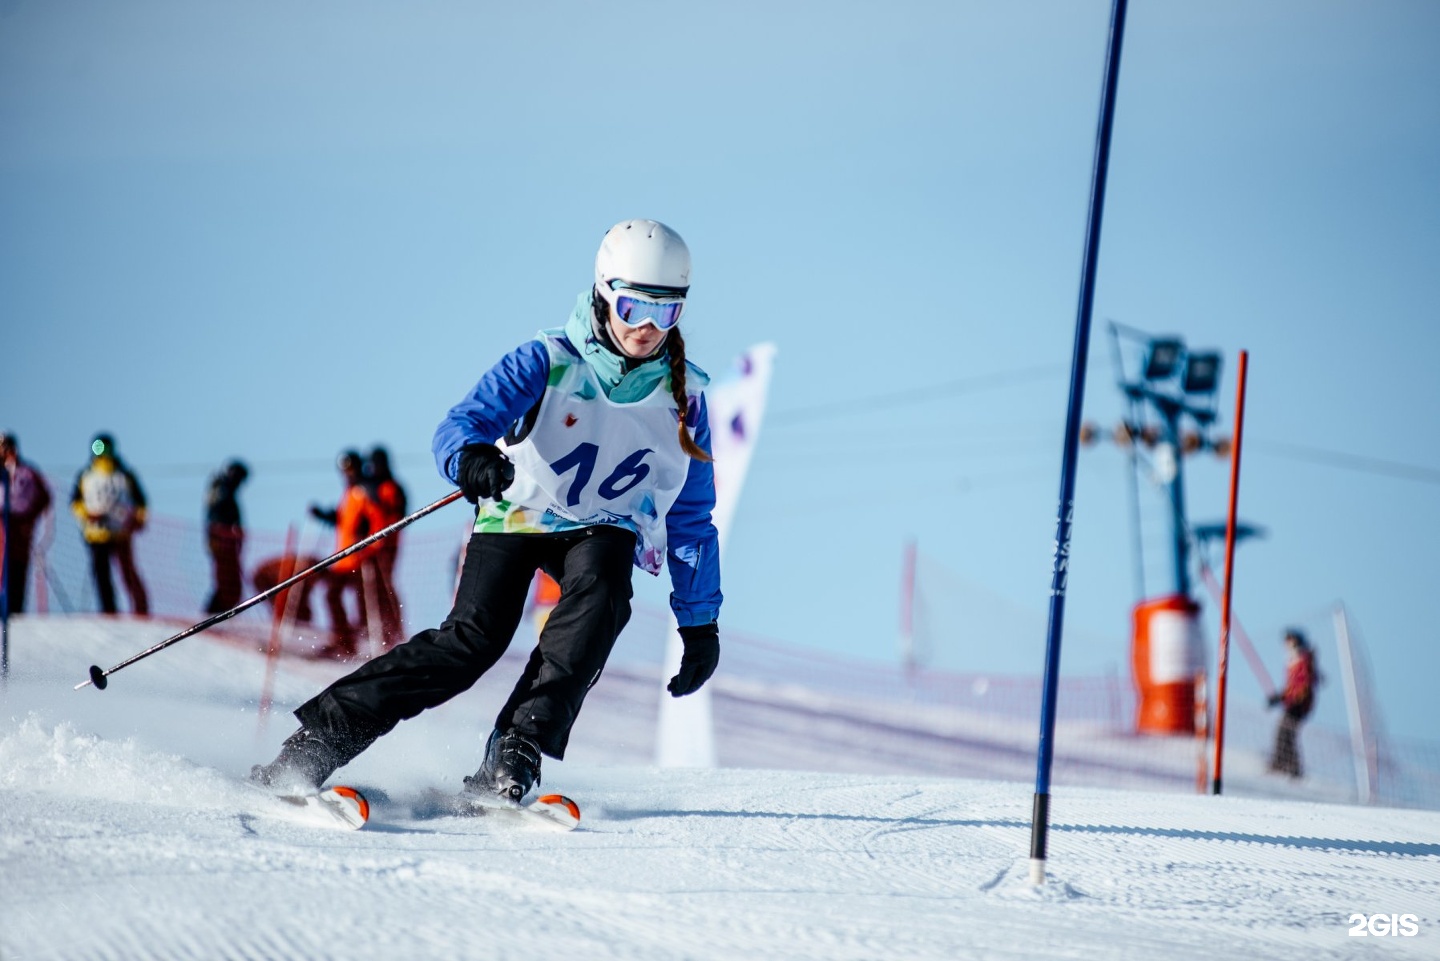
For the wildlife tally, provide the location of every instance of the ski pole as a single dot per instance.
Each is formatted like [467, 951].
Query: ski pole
[1064, 524]
[99, 677]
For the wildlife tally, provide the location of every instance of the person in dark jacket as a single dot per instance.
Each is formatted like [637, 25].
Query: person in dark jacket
[225, 536]
[1297, 701]
[586, 454]
[389, 495]
[28, 498]
[109, 503]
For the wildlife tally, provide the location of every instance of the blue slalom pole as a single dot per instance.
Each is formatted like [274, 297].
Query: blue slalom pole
[1040, 821]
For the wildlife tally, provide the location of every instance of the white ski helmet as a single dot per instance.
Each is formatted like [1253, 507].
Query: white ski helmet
[644, 256]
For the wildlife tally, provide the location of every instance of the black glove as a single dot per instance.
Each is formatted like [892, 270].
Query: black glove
[483, 471]
[1277, 699]
[323, 515]
[702, 653]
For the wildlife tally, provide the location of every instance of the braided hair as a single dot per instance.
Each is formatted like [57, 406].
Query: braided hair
[676, 344]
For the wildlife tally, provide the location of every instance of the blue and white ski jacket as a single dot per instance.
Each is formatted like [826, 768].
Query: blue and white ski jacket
[593, 443]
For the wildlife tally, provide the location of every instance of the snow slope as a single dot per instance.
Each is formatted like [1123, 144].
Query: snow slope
[128, 833]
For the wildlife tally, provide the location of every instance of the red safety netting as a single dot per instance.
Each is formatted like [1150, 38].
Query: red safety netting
[949, 721]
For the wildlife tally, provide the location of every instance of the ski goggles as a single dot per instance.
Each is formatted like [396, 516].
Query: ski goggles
[636, 306]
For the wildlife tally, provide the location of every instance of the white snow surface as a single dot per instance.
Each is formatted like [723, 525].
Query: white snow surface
[129, 833]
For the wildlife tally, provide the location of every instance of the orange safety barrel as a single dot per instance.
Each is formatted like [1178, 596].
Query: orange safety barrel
[544, 595]
[1165, 655]
[546, 591]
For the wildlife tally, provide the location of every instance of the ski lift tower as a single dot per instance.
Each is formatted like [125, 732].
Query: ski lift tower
[1172, 410]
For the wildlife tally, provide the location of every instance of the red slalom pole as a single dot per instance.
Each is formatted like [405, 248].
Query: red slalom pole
[272, 652]
[100, 677]
[1229, 571]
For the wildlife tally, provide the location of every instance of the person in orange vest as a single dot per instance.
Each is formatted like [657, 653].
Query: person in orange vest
[355, 518]
[390, 496]
[1298, 700]
[109, 504]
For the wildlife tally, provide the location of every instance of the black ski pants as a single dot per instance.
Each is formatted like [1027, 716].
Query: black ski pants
[225, 542]
[100, 557]
[1286, 757]
[593, 568]
[17, 562]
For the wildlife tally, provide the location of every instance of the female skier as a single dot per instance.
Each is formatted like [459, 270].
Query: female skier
[586, 451]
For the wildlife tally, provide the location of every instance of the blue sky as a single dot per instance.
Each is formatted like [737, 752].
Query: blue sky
[274, 232]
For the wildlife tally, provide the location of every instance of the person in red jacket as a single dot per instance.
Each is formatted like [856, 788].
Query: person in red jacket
[355, 518]
[1298, 699]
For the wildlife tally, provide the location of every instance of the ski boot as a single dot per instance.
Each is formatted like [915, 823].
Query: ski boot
[304, 762]
[510, 769]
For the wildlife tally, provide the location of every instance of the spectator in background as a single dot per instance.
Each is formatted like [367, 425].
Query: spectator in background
[28, 497]
[390, 496]
[110, 506]
[225, 536]
[356, 517]
[1298, 699]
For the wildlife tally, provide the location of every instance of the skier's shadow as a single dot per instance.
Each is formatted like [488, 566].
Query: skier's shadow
[1414, 849]
[1404, 848]
[621, 814]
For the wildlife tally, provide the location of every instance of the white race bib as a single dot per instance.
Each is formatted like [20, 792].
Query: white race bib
[588, 460]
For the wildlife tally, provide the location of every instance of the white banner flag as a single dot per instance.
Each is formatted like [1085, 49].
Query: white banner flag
[736, 405]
